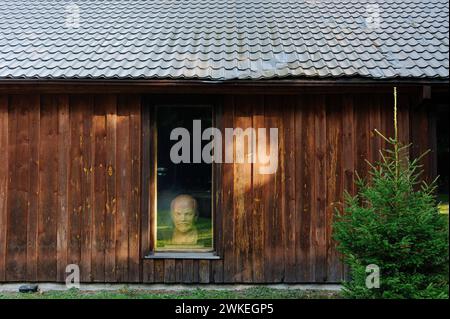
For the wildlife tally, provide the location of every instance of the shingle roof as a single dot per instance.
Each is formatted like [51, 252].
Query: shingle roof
[224, 39]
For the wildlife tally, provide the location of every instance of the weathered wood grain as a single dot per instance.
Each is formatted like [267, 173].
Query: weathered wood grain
[228, 207]
[134, 105]
[188, 271]
[274, 231]
[258, 216]
[243, 193]
[319, 225]
[63, 186]
[75, 196]
[4, 171]
[348, 152]
[307, 192]
[216, 271]
[17, 267]
[111, 180]
[288, 189]
[145, 185]
[99, 175]
[123, 188]
[77, 185]
[87, 186]
[301, 253]
[33, 104]
[204, 269]
[334, 181]
[46, 189]
[169, 271]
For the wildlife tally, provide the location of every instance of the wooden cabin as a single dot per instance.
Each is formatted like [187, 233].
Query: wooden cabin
[89, 93]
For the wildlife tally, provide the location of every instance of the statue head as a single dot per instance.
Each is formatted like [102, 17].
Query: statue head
[184, 213]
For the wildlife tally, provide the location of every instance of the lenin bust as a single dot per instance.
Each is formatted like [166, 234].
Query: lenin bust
[184, 215]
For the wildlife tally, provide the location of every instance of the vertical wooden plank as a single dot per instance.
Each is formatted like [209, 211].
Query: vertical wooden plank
[243, 192]
[135, 189]
[362, 135]
[18, 190]
[145, 184]
[48, 189]
[433, 142]
[216, 275]
[123, 186]
[228, 223]
[416, 132]
[362, 144]
[403, 118]
[279, 241]
[319, 214]
[420, 135]
[75, 199]
[283, 126]
[153, 175]
[403, 125]
[334, 181]
[274, 268]
[307, 190]
[87, 186]
[4, 169]
[149, 165]
[204, 271]
[34, 191]
[99, 179]
[158, 270]
[290, 216]
[179, 270]
[348, 148]
[12, 202]
[301, 256]
[258, 216]
[375, 124]
[383, 123]
[148, 275]
[188, 271]
[388, 116]
[267, 181]
[169, 271]
[63, 185]
[195, 277]
[111, 170]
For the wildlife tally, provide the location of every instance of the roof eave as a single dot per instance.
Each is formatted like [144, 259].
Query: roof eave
[183, 86]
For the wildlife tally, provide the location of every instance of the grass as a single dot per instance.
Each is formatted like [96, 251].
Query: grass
[443, 203]
[125, 293]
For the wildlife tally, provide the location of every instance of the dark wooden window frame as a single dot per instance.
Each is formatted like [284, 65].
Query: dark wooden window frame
[148, 177]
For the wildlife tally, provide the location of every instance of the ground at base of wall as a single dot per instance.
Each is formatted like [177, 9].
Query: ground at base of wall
[258, 292]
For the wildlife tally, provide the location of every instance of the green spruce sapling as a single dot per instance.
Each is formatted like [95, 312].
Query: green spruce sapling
[393, 222]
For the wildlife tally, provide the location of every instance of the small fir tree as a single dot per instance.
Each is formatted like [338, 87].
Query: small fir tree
[394, 223]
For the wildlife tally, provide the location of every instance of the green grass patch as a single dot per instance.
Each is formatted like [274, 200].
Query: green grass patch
[125, 293]
[443, 203]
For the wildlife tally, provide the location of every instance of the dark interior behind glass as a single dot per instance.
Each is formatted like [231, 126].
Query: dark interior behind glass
[194, 179]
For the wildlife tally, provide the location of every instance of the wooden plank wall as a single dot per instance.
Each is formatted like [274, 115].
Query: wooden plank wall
[76, 187]
[277, 228]
[69, 187]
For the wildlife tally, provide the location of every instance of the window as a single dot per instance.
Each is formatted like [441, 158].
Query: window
[184, 214]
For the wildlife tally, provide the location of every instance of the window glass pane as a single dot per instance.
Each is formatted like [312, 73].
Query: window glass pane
[184, 209]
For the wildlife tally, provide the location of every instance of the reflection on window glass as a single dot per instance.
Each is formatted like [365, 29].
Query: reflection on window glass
[184, 213]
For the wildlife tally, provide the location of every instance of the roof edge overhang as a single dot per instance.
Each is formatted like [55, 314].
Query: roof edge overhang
[195, 86]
